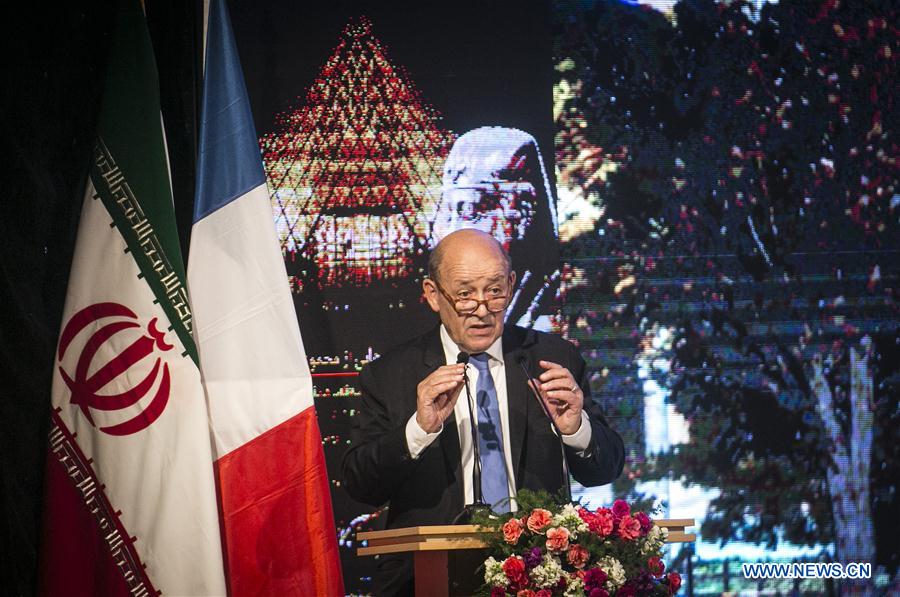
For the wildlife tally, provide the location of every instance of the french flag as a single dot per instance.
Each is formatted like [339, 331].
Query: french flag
[275, 503]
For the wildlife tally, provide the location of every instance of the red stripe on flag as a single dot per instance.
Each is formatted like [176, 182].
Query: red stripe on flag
[339, 374]
[76, 553]
[276, 505]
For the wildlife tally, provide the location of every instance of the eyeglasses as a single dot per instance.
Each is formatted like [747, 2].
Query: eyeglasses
[465, 306]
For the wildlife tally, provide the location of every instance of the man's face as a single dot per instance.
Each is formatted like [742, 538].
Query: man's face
[474, 270]
[504, 213]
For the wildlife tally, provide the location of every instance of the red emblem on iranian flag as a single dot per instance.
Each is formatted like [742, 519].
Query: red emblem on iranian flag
[88, 379]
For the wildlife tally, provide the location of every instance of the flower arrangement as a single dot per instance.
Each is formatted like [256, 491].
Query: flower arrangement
[548, 549]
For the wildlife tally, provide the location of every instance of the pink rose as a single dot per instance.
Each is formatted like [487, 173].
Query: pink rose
[514, 569]
[598, 593]
[557, 539]
[538, 520]
[674, 582]
[621, 508]
[577, 556]
[656, 566]
[629, 528]
[512, 530]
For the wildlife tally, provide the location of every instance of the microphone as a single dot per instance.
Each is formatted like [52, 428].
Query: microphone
[477, 496]
[523, 363]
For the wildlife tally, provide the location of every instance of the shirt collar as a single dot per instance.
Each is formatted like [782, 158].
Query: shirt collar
[451, 348]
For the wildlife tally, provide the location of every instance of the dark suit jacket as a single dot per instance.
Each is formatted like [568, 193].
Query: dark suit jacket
[378, 468]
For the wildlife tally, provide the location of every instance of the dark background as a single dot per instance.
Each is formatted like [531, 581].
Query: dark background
[477, 63]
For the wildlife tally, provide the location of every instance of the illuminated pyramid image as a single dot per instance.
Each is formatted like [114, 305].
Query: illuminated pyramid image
[354, 173]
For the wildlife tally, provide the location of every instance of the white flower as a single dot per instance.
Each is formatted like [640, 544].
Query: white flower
[493, 573]
[654, 540]
[569, 519]
[574, 587]
[614, 571]
[548, 573]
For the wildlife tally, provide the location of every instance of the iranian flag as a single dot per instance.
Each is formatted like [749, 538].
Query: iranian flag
[278, 525]
[130, 502]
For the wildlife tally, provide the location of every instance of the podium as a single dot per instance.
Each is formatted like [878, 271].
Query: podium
[444, 551]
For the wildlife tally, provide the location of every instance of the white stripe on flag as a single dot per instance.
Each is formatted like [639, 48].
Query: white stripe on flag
[253, 363]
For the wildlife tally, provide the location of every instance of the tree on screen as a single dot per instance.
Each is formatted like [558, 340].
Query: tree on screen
[745, 173]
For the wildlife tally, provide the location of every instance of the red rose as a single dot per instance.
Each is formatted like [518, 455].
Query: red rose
[674, 582]
[557, 539]
[598, 593]
[525, 593]
[629, 528]
[621, 508]
[605, 521]
[646, 523]
[577, 556]
[498, 592]
[512, 530]
[599, 523]
[514, 569]
[626, 590]
[594, 578]
[544, 593]
[587, 516]
[538, 520]
[656, 566]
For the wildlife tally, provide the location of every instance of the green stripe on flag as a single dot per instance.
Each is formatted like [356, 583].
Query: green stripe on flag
[130, 172]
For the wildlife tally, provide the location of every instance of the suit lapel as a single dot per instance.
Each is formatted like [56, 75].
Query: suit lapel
[433, 355]
[519, 398]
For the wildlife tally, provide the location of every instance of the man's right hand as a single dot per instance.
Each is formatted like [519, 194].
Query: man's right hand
[436, 396]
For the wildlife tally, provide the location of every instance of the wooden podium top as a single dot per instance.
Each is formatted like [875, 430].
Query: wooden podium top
[469, 536]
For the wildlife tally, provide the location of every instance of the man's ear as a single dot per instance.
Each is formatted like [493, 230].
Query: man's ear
[512, 280]
[431, 294]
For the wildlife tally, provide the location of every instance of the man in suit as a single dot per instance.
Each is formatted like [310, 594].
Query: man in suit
[411, 443]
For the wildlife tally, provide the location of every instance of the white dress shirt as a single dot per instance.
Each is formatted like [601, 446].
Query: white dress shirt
[417, 439]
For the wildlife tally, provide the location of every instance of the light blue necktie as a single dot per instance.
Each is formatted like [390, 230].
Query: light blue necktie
[494, 478]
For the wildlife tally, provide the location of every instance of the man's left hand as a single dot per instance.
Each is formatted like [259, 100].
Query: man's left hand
[562, 395]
